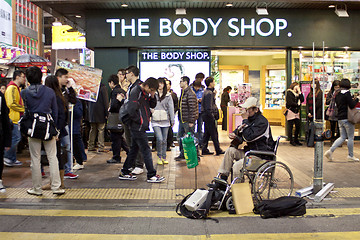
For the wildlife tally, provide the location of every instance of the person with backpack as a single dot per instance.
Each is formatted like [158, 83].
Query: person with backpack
[344, 101]
[141, 99]
[332, 109]
[41, 99]
[255, 131]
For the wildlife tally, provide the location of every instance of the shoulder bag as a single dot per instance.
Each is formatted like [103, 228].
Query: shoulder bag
[354, 115]
[114, 123]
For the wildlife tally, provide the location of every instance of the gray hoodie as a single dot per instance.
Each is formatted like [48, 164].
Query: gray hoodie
[166, 104]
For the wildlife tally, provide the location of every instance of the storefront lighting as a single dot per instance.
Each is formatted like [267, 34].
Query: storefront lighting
[229, 4]
[180, 11]
[331, 6]
[262, 10]
[57, 23]
[78, 16]
[124, 5]
[341, 12]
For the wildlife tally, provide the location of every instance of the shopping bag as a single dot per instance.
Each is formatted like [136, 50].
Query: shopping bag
[242, 199]
[190, 152]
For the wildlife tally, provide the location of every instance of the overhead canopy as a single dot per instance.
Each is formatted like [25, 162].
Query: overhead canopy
[72, 12]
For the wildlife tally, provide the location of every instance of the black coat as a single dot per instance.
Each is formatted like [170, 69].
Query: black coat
[98, 111]
[61, 120]
[318, 105]
[138, 107]
[292, 101]
[344, 100]
[208, 106]
[114, 103]
[5, 128]
[225, 99]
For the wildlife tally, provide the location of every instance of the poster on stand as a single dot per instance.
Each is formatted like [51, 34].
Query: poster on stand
[85, 80]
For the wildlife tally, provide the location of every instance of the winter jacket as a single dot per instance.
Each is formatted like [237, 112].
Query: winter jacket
[254, 133]
[225, 99]
[208, 107]
[199, 94]
[98, 111]
[293, 100]
[114, 103]
[138, 107]
[5, 128]
[175, 101]
[70, 97]
[61, 121]
[166, 105]
[40, 99]
[78, 114]
[188, 105]
[14, 102]
[344, 100]
[318, 105]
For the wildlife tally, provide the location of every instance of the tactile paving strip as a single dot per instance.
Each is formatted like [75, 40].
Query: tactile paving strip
[140, 194]
[103, 193]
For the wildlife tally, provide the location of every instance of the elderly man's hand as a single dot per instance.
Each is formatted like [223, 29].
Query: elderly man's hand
[232, 135]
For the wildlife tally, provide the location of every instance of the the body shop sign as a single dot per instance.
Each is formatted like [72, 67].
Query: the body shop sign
[221, 28]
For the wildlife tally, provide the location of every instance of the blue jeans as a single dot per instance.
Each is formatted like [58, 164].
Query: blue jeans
[65, 143]
[347, 130]
[139, 142]
[161, 141]
[199, 128]
[183, 129]
[16, 137]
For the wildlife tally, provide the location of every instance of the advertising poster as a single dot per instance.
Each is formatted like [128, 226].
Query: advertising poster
[244, 92]
[85, 80]
[65, 37]
[5, 22]
[305, 89]
[173, 64]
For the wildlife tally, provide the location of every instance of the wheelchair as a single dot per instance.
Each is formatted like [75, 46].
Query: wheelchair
[269, 179]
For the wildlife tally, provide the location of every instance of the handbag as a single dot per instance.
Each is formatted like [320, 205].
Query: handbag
[354, 115]
[160, 115]
[114, 124]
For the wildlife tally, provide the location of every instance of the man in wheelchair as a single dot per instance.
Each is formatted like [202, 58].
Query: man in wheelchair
[255, 131]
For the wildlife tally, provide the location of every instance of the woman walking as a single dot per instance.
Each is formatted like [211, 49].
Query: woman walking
[162, 119]
[330, 101]
[294, 98]
[344, 101]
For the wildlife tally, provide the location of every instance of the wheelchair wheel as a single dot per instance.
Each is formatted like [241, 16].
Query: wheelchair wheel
[274, 179]
[229, 204]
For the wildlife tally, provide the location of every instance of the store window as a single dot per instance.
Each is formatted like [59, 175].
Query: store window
[26, 14]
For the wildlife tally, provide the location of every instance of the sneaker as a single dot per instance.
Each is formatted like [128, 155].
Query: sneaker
[137, 171]
[103, 150]
[58, 191]
[8, 162]
[2, 188]
[113, 161]
[328, 155]
[33, 191]
[165, 161]
[352, 159]
[159, 161]
[127, 176]
[156, 179]
[71, 176]
[17, 163]
[78, 167]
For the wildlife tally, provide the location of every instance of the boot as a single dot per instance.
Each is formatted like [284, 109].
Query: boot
[62, 173]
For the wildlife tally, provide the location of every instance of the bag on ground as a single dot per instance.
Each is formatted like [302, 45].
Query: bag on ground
[282, 206]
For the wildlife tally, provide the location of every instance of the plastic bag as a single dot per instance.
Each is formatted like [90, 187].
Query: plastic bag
[190, 151]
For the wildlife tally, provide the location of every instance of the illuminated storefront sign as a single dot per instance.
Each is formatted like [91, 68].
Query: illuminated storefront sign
[196, 27]
[65, 37]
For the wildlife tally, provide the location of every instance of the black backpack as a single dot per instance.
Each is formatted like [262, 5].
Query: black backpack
[282, 206]
[201, 213]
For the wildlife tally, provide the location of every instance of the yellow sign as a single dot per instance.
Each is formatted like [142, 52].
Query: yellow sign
[65, 37]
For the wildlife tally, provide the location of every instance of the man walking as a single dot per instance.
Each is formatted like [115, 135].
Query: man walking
[210, 114]
[141, 99]
[198, 88]
[70, 97]
[16, 106]
[188, 112]
[117, 139]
